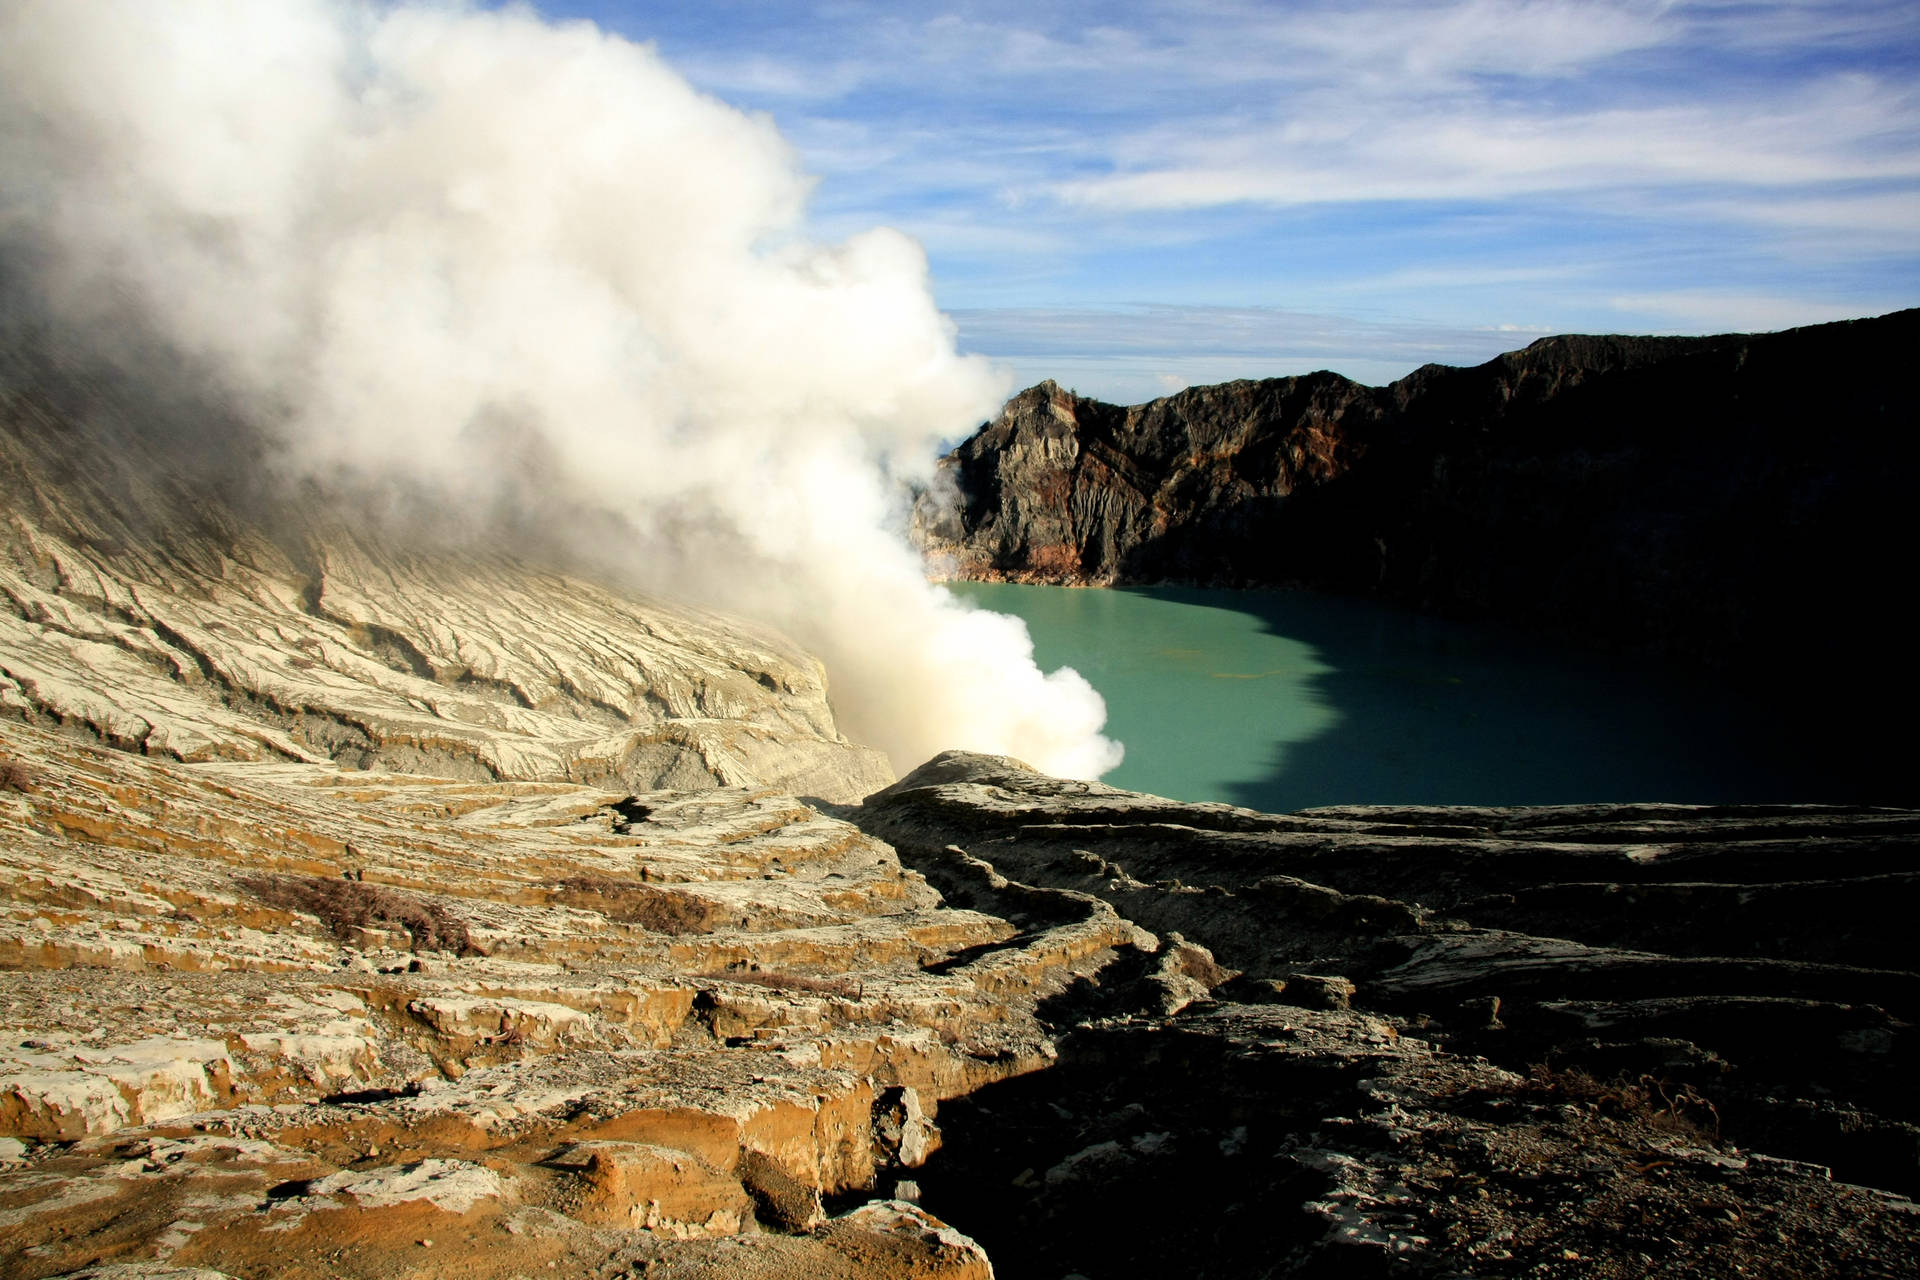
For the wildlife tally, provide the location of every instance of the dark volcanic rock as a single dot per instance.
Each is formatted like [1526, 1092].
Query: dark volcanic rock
[1729, 498]
[1581, 1041]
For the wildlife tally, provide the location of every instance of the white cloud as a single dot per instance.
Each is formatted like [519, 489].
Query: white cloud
[762, 74]
[1482, 37]
[1832, 132]
[1756, 122]
[1706, 311]
[1831, 224]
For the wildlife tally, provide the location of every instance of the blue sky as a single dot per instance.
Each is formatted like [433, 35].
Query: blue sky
[1134, 197]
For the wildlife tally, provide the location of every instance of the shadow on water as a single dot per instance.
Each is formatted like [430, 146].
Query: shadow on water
[1282, 700]
[1431, 711]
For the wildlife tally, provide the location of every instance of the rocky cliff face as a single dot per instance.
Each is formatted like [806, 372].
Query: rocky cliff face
[1728, 498]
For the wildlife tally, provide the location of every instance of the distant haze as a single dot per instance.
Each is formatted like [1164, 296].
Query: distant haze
[512, 265]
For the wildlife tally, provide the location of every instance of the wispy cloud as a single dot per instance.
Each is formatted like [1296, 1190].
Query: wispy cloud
[1449, 43]
[1443, 159]
[1707, 312]
[1843, 129]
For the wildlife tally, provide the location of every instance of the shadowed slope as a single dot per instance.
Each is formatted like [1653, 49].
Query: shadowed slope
[1518, 1041]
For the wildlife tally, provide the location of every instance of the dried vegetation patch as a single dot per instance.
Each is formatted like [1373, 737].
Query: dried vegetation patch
[668, 911]
[346, 905]
[1676, 1108]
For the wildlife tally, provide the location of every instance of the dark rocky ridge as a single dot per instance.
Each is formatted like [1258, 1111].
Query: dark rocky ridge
[1735, 499]
[1579, 1041]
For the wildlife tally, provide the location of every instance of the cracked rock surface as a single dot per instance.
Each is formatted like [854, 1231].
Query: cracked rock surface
[1566, 1041]
[280, 1019]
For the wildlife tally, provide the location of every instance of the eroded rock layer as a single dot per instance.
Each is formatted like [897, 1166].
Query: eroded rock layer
[278, 1019]
[152, 608]
[374, 901]
[1579, 1041]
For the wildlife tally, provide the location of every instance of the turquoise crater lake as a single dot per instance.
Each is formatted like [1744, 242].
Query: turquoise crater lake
[1282, 700]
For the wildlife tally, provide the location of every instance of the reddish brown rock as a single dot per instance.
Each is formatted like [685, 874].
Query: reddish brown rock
[1740, 499]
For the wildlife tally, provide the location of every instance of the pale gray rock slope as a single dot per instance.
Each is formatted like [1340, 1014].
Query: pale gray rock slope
[150, 609]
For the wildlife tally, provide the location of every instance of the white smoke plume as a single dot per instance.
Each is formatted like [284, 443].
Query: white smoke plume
[439, 245]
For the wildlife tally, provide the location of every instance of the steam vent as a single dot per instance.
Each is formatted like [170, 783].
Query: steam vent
[383, 913]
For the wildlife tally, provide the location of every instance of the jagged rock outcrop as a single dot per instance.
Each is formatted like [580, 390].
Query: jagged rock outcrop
[1730, 498]
[1587, 1040]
